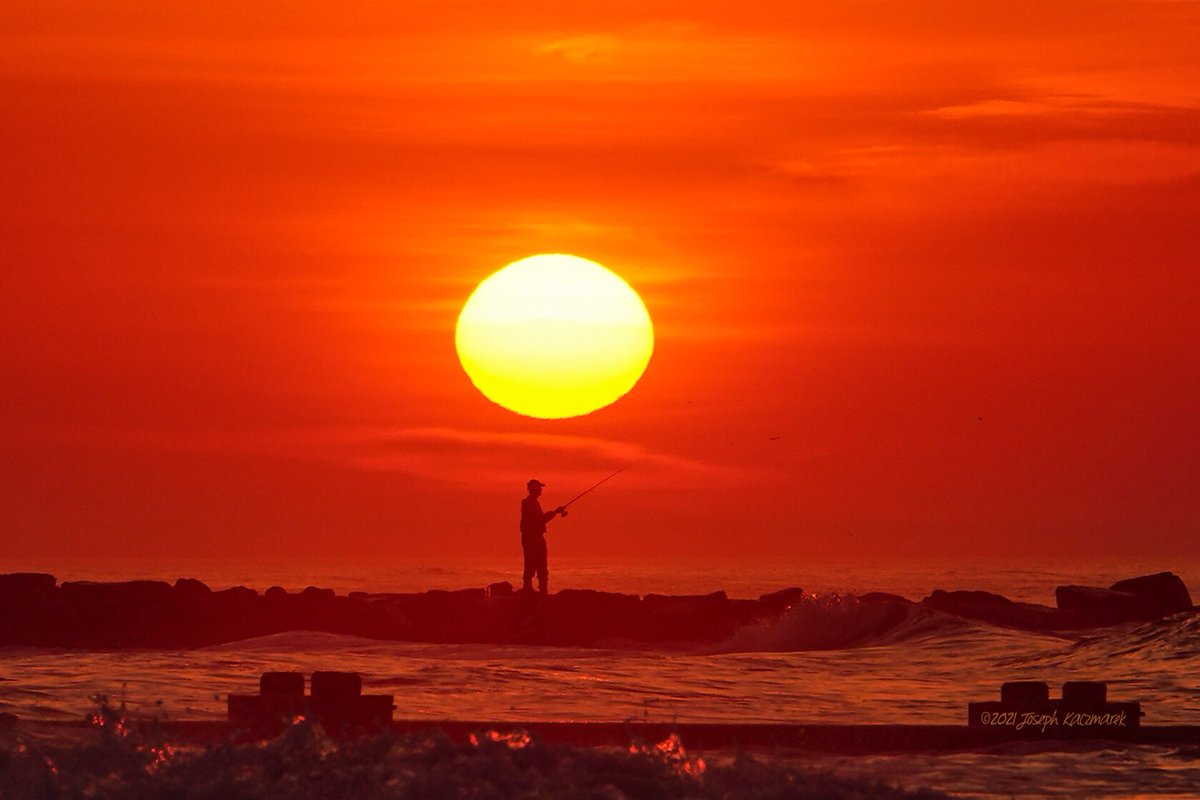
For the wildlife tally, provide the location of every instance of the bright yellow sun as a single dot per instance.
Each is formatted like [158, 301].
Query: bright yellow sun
[554, 336]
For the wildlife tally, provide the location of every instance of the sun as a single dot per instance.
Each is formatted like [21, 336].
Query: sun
[554, 336]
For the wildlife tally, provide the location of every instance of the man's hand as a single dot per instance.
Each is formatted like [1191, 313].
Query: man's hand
[562, 510]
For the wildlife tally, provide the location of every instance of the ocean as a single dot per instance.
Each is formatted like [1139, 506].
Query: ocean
[923, 672]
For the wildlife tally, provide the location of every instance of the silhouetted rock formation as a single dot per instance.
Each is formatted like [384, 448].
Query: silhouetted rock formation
[1135, 599]
[1142, 599]
[1161, 594]
[999, 610]
[20, 583]
[882, 597]
[36, 611]
[783, 599]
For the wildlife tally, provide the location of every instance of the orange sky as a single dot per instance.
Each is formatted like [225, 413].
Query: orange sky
[923, 279]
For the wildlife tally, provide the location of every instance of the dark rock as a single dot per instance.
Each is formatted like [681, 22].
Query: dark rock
[449, 616]
[1162, 593]
[19, 583]
[1099, 606]
[883, 597]
[600, 602]
[190, 587]
[999, 610]
[314, 594]
[744, 612]
[387, 618]
[691, 618]
[125, 593]
[975, 605]
[33, 612]
[47, 621]
[456, 593]
[1141, 599]
[778, 602]
[234, 614]
[583, 617]
[124, 614]
[237, 594]
[655, 602]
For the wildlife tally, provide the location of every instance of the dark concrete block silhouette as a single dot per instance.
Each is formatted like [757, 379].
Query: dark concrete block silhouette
[337, 703]
[1084, 693]
[1019, 692]
[280, 698]
[336, 685]
[1026, 711]
[282, 683]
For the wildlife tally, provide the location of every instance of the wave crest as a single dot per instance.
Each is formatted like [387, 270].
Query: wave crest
[835, 622]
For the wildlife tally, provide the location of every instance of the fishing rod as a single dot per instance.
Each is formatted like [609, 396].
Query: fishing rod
[595, 486]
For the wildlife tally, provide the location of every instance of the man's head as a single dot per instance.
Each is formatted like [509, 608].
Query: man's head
[534, 486]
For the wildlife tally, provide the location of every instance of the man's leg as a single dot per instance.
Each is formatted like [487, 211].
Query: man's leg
[530, 568]
[543, 570]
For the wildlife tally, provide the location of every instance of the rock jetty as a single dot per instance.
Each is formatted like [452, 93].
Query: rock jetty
[36, 610]
[1141, 599]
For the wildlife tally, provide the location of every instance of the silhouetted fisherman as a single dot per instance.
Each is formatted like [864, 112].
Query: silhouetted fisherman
[533, 536]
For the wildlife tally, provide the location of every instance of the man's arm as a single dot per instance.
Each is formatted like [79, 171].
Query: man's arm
[549, 515]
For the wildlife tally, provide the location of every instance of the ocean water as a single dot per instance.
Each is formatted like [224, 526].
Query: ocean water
[923, 672]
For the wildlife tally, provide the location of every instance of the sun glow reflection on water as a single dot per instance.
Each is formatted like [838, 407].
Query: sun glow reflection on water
[924, 677]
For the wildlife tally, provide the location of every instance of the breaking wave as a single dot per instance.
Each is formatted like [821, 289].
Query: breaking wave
[1163, 643]
[838, 622]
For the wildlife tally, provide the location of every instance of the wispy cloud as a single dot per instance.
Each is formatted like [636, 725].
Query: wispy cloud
[489, 459]
[470, 456]
[991, 108]
[582, 49]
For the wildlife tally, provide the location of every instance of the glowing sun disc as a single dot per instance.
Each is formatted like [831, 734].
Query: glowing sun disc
[554, 336]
